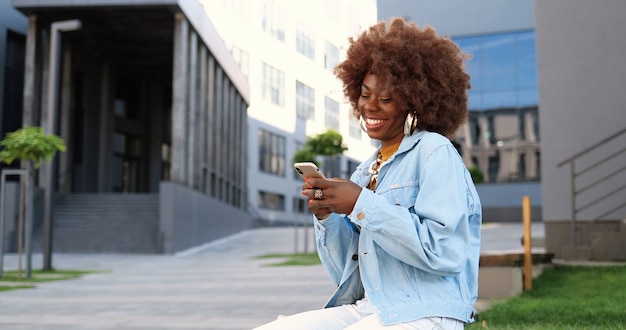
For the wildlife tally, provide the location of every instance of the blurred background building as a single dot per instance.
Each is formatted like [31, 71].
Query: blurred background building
[547, 117]
[288, 50]
[501, 138]
[153, 110]
[189, 112]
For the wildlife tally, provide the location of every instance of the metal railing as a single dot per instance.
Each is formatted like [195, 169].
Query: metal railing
[578, 189]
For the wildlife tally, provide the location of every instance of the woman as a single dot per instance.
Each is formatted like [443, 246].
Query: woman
[401, 239]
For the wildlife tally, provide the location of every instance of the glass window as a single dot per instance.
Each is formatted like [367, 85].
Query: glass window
[305, 101]
[355, 128]
[305, 41]
[273, 20]
[271, 153]
[503, 70]
[273, 85]
[331, 56]
[239, 8]
[332, 113]
[271, 201]
[300, 205]
[241, 57]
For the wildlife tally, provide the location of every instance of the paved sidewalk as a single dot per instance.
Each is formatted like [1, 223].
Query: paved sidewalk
[218, 286]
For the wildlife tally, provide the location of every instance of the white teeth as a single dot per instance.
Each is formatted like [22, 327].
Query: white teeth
[372, 121]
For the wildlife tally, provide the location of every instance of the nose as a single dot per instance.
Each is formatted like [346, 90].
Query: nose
[371, 104]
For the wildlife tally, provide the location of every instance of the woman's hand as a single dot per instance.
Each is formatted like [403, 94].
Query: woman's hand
[337, 195]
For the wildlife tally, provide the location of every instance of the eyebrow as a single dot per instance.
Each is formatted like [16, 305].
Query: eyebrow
[365, 86]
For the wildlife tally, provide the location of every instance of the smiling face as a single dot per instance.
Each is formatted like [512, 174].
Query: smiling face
[384, 116]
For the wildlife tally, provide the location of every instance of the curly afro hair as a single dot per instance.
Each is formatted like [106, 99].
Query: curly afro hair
[424, 71]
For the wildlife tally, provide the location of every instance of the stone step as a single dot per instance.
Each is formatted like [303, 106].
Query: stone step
[119, 223]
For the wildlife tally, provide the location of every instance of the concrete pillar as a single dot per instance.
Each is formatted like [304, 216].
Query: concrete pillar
[105, 129]
[179, 100]
[219, 146]
[201, 177]
[65, 129]
[210, 127]
[192, 110]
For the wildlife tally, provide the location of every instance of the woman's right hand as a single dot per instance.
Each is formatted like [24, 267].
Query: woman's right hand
[337, 195]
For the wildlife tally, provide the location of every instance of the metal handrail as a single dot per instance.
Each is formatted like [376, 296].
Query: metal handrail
[574, 173]
[593, 147]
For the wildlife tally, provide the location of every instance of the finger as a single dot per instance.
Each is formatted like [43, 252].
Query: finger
[317, 182]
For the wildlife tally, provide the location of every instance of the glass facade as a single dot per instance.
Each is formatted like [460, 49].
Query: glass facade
[502, 133]
[503, 70]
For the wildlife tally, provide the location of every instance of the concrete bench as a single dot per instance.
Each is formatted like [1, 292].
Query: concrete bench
[502, 275]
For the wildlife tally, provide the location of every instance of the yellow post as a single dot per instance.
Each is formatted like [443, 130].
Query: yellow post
[528, 258]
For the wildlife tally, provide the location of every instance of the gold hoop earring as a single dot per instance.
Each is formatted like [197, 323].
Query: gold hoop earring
[362, 124]
[410, 123]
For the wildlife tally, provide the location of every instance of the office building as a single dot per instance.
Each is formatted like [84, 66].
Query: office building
[153, 111]
[288, 50]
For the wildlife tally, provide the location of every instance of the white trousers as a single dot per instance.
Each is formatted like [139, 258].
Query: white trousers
[361, 315]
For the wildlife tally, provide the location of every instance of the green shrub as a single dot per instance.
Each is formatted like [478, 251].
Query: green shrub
[477, 175]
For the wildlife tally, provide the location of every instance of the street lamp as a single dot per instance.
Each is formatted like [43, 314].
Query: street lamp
[54, 64]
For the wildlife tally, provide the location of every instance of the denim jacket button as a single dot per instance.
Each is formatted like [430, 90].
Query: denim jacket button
[360, 215]
[355, 257]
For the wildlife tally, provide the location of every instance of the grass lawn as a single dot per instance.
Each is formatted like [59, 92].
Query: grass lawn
[11, 280]
[298, 259]
[564, 297]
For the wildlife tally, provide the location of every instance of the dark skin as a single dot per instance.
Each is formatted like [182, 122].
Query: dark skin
[384, 118]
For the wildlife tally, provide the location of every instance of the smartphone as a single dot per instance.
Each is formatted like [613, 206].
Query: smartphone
[308, 170]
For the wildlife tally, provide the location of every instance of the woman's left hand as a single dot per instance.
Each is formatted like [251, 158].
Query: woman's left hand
[337, 195]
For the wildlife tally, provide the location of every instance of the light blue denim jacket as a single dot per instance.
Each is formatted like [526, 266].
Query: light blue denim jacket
[414, 244]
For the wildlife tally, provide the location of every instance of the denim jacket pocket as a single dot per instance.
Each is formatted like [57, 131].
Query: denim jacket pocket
[401, 194]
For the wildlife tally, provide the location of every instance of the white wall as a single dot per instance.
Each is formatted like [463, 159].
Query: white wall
[581, 53]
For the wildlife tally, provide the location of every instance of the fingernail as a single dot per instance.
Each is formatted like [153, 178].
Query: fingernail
[303, 193]
[310, 202]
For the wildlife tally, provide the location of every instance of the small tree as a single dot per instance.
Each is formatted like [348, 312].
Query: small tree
[32, 146]
[329, 143]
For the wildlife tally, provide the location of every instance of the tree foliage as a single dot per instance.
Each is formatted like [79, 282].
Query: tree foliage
[329, 143]
[30, 143]
[477, 175]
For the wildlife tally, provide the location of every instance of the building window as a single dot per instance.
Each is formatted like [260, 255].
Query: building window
[273, 20]
[300, 205]
[305, 101]
[271, 153]
[331, 56]
[332, 113]
[503, 70]
[239, 8]
[273, 85]
[352, 165]
[298, 146]
[241, 57]
[305, 41]
[355, 128]
[271, 201]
